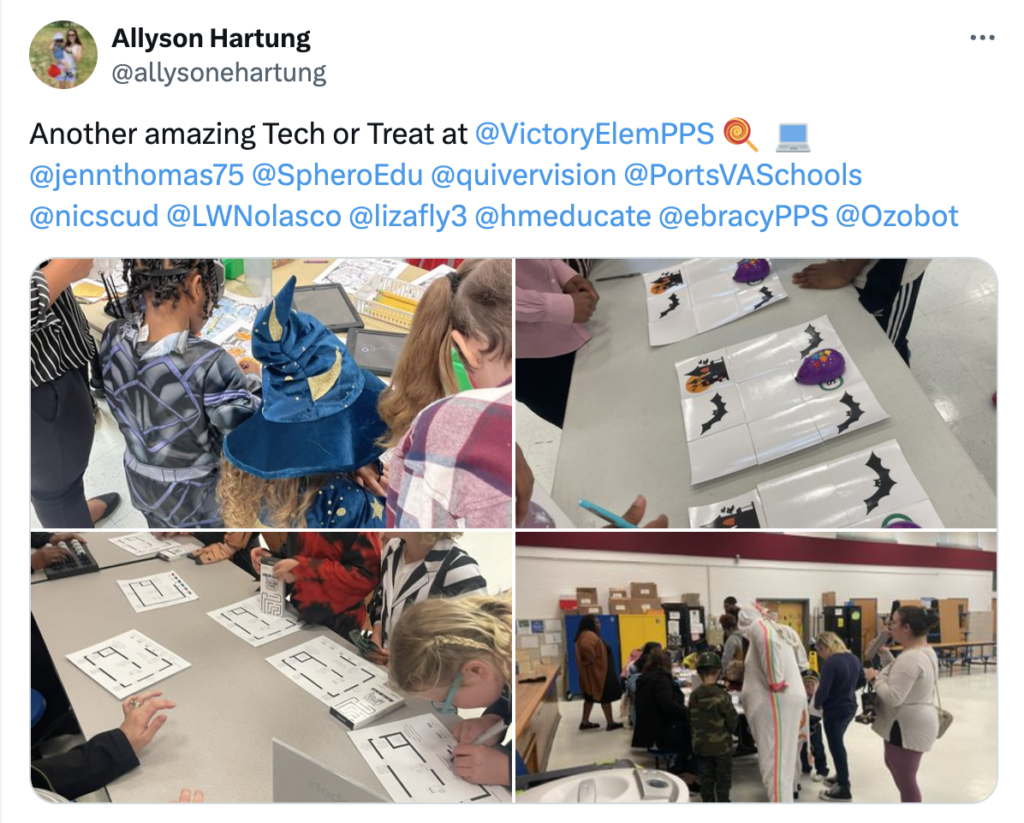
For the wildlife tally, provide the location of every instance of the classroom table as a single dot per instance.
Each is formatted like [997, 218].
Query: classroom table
[108, 556]
[948, 654]
[305, 274]
[537, 716]
[230, 702]
[623, 432]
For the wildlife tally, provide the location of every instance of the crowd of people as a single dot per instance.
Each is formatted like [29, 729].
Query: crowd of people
[790, 709]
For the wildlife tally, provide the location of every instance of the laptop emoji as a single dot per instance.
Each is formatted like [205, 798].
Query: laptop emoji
[793, 137]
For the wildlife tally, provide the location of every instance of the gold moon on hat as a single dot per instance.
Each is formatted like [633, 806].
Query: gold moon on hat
[320, 384]
[275, 326]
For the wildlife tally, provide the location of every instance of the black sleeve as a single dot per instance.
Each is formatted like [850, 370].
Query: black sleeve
[40, 539]
[664, 699]
[85, 768]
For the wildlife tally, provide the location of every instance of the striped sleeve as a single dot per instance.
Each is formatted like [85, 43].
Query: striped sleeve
[463, 577]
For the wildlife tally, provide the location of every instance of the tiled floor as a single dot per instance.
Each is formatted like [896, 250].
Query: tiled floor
[953, 357]
[961, 768]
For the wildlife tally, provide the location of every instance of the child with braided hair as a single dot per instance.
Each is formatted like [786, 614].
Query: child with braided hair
[175, 395]
[458, 652]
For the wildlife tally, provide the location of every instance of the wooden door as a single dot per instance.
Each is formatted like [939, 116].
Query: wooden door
[951, 619]
[868, 619]
[792, 613]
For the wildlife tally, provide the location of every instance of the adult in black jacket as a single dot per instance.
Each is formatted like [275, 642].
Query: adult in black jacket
[661, 716]
[108, 755]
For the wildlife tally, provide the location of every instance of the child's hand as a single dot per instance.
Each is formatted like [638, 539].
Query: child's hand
[373, 481]
[283, 570]
[635, 513]
[482, 764]
[466, 731]
[250, 366]
[255, 556]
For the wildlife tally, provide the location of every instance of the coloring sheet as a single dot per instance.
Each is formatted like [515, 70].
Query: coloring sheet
[232, 309]
[128, 664]
[698, 295]
[544, 513]
[743, 407]
[432, 275]
[157, 591]
[143, 543]
[246, 620]
[235, 339]
[353, 272]
[870, 489]
[354, 688]
[413, 760]
[272, 592]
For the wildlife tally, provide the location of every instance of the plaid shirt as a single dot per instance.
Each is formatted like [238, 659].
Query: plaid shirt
[454, 466]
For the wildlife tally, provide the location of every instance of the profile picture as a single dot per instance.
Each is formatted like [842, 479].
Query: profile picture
[63, 54]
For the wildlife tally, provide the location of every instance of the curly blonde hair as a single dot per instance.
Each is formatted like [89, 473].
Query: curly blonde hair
[437, 637]
[244, 497]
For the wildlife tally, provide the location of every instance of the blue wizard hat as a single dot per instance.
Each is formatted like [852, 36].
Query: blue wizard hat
[319, 413]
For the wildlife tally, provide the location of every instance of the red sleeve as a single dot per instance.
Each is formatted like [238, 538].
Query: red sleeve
[338, 570]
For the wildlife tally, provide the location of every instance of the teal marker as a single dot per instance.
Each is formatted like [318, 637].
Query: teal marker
[604, 514]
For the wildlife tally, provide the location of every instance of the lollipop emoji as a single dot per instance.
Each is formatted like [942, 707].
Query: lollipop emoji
[751, 271]
[823, 366]
[737, 131]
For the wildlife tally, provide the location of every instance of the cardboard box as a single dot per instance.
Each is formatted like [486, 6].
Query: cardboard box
[647, 604]
[692, 599]
[589, 610]
[618, 594]
[643, 590]
[620, 606]
[586, 597]
[571, 611]
[828, 599]
[566, 602]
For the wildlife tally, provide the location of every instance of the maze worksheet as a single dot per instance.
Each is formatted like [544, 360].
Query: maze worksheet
[246, 620]
[355, 689]
[413, 759]
[128, 664]
[157, 591]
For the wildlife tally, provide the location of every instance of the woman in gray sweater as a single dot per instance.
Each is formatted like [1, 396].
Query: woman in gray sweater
[907, 717]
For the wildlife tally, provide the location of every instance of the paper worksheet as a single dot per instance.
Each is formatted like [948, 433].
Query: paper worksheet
[356, 690]
[235, 338]
[872, 488]
[128, 664]
[695, 296]
[246, 620]
[232, 309]
[743, 407]
[157, 591]
[143, 543]
[413, 760]
[353, 272]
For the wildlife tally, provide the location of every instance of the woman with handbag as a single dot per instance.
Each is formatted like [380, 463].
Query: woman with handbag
[906, 688]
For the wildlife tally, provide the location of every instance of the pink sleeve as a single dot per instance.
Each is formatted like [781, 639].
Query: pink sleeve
[543, 307]
[563, 274]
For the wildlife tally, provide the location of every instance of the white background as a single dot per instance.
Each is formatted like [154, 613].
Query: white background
[896, 89]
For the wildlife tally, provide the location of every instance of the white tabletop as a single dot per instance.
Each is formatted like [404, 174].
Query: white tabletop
[623, 432]
[231, 702]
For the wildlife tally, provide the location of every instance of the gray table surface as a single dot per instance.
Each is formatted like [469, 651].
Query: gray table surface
[108, 556]
[230, 702]
[623, 432]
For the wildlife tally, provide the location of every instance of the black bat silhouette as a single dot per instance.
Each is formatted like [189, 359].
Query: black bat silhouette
[767, 296]
[883, 484]
[720, 412]
[673, 303]
[815, 340]
[854, 414]
[745, 517]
